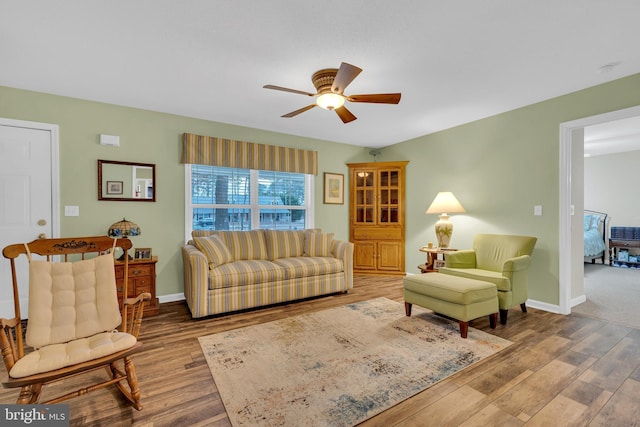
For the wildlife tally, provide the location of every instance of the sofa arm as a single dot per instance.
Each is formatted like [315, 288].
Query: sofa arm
[461, 259]
[344, 250]
[196, 275]
[516, 264]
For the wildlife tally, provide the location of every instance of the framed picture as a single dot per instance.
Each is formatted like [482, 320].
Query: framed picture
[333, 188]
[439, 263]
[142, 253]
[114, 187]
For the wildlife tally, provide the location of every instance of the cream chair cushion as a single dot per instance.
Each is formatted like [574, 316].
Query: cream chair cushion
[58, 356]
[71, 300]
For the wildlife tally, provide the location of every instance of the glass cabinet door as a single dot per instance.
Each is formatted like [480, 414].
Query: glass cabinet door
[364, 196]
[389, 195]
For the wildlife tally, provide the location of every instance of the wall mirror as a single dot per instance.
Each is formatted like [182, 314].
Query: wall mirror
[126, 181]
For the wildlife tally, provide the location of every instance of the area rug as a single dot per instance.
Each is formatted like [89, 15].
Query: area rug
[337, 367]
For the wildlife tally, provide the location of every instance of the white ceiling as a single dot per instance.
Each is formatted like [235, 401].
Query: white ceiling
[612, 137]
[453, 61]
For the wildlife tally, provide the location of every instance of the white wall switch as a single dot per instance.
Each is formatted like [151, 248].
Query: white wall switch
[72, 211]
[537, 210]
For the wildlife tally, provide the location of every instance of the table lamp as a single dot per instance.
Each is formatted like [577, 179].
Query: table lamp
[444, 203]
[124, 229]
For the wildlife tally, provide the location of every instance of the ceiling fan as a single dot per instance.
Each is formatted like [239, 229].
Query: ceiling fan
[330, 84]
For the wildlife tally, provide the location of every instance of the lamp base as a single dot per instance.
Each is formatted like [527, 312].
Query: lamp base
[444, 230]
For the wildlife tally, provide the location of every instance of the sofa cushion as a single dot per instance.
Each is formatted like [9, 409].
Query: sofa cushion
[245, 245]
[202, 233]
[309, 266]
[214, 249]
[247, 272]
[284, 244]
[318, 244]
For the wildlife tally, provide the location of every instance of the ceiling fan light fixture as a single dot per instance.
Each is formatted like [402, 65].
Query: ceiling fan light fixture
[330, 101]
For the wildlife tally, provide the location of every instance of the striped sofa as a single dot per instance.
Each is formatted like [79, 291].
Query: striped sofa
[226, 271]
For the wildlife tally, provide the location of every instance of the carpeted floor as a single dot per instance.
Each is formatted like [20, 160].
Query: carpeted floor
[613, 294]
[337, 367]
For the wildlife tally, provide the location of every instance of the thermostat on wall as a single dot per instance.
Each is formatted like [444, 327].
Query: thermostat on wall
[113, 140]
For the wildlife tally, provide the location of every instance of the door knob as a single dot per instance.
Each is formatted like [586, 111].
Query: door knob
[42, 222]
[42, 236]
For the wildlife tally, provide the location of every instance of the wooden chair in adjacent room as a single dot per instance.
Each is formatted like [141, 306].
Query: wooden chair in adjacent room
[75, 321]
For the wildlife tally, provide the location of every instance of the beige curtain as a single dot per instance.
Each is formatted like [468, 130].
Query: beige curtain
[208, 150]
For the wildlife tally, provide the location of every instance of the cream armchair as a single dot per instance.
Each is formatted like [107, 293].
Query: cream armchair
[500, 259]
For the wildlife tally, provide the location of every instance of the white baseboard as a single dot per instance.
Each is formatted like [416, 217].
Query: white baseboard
[578, 300]
[544, 306]
[171, 297]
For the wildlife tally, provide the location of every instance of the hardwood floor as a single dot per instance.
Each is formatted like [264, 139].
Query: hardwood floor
[560, 371]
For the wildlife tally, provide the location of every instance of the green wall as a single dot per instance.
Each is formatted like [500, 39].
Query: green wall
[150, 137]
[498, 167]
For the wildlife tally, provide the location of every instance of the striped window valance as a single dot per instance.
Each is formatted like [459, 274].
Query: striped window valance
[208, 150]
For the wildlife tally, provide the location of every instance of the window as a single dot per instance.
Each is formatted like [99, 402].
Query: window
[219, 198]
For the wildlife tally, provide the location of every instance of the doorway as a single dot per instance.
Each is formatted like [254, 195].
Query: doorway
[571, 280]
[29, 196]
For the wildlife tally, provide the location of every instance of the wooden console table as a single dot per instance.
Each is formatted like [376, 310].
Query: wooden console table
[616, 244]
[142, 278]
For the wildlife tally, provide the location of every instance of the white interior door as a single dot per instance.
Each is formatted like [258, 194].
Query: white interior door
[28, 195]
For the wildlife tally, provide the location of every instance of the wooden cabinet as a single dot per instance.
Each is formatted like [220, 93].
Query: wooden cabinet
[615, 245]
[377, 222]
[142, 278]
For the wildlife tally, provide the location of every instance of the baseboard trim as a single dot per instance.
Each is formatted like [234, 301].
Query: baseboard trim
[578, 300]
[171, 297]
[544, 306]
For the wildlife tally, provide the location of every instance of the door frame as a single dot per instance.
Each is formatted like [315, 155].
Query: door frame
[566, 268]
[55, 164]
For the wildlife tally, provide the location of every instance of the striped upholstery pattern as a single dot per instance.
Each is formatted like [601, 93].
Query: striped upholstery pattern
[242, 244]
[247, 245]
[318, 244]
[202, 233]
[214, 249]
[284, 244]
[207, 150]
[242, 297]
[214, 291]
[297, 267]
[242, 273]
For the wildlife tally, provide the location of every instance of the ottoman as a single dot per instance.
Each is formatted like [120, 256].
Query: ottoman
[456, 297]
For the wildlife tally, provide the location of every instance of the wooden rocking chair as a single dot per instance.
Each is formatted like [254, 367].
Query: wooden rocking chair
[73, 319]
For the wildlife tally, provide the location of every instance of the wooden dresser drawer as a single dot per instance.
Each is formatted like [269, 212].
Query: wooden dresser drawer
[140, 270]
[377, 233]
[142, 278]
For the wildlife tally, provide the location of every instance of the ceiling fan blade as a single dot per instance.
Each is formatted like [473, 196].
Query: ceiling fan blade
[380, 98]
[286, 89]
[346, 74]
[301, 110]
[345, 115]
